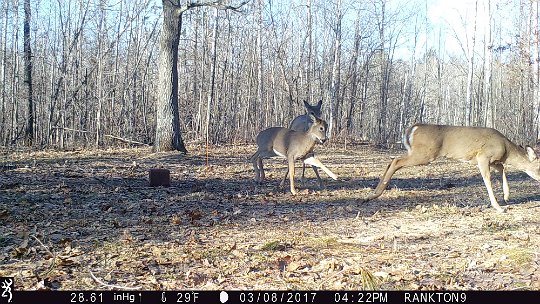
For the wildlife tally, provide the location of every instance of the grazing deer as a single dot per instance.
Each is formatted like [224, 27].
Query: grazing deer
[302, 123]
[485, 147]
[292, 145]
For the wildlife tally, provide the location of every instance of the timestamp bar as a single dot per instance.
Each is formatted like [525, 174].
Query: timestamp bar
[253, 297]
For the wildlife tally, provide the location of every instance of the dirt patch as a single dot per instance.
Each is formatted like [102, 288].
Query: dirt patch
[70, 219]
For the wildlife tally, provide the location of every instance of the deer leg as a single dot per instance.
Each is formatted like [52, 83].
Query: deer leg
[483, 165]
[506, 189]
[385, 178]
[321, 184]
[261, 169]
[314, 162]
[291, 175]
[255, 160]
[302, 179]
[396, 164]
[282, 183]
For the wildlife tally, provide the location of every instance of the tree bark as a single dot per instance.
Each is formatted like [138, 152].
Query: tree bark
[29, 131]
[336, 67]
[488, 43]
[168, 133]
[211, 97]
[470, 71]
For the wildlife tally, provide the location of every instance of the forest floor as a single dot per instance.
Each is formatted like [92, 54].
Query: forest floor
[88, 220]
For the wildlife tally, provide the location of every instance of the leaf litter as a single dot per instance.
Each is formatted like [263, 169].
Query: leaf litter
[89, 220]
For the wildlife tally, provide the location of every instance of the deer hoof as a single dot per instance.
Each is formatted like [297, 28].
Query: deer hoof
[502, 209]
[367, 199]
[305, 191]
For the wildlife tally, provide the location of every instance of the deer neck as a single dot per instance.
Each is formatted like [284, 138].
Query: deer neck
[314, 138]
[307, 145]
[517, 157]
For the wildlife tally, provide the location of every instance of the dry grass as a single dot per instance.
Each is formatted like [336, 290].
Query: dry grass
[66, 214]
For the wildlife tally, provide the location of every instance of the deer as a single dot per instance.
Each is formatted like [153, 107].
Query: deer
[485, 147]
[302, 123]
[292, 145]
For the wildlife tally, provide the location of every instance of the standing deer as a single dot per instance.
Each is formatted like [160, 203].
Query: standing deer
[292, 145]
[485, 147]
[302, 123]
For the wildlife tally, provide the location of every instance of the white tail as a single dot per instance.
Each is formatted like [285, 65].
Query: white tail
[486, 147]
[290, 144]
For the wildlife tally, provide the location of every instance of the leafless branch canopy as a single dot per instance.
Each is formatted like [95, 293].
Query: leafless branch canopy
[219, 4]
[239, 73]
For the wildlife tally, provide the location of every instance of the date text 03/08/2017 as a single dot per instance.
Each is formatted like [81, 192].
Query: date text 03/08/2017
[277, 297]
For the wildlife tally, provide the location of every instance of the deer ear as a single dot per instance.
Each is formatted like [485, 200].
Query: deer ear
[312, 118]
[531, 154]
[306, 104]
[320, 103]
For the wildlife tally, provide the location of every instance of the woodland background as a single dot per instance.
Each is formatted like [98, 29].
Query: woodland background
[378, 65]
[85, 218]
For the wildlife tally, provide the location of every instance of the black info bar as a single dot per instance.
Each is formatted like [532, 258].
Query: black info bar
[240, 297]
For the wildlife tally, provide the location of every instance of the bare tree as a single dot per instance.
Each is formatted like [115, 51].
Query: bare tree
[336, 68]
[212, 94]
[488, 46]
[95, 70]
[14, 125]
[3, 73]
[470, 71]
[534, 16]
[168, 133]
[29, 131]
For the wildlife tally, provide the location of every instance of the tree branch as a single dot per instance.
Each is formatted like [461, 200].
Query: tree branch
[219, 4]
[125, 140]
[111, 286]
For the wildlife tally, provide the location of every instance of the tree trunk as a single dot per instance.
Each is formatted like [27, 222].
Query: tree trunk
[336, 67]
[29, 131]
[536, 65]
[14, 129]
[488, 43]
[470, 71]
[381, 124]
[168, 134]
[211, 96]
[354, 77]
[309, 73]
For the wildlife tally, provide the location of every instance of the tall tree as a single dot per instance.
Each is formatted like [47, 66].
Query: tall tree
[29, 131]
[336, 68]
[488, 46]
[211, 97]
[470, 71]
[383, 85]
[168, 133]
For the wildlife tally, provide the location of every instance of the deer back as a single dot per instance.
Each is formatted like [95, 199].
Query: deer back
[460, 143]
[303, 122]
